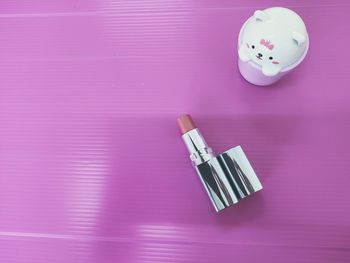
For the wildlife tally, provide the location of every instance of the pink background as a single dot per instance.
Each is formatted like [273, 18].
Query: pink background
[92, 167]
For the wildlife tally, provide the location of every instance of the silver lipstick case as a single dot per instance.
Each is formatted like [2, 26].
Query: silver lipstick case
[227, 177]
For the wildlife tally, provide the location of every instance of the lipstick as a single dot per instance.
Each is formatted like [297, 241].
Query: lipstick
[227, 177]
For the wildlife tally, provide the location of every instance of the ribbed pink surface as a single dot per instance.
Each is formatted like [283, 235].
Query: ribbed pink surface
[92, 167]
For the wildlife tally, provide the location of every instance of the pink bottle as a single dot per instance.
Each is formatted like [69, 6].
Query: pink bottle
[271, 43]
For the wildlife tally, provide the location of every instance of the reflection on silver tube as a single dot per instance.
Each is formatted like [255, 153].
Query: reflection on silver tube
[227, 177]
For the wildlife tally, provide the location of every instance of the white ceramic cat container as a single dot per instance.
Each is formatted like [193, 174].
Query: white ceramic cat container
[271, 43]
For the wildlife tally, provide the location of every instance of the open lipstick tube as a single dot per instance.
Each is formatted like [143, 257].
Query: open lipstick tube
[227, 177]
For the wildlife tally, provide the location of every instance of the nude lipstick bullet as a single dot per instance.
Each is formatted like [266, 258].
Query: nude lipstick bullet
[227, 177]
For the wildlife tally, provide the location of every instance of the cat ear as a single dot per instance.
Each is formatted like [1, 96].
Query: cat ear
[271, 70]
[298, 38]
[243, 54]
[260, 15]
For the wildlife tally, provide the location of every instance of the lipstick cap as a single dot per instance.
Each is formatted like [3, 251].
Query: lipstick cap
[228, 178]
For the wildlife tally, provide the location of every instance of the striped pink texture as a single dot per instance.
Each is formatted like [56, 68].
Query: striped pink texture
[92, 167]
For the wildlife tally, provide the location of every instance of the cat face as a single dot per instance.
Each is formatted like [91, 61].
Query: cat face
[262, 53]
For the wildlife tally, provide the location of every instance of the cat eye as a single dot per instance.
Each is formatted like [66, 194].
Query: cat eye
[253, 46]
[271, 58]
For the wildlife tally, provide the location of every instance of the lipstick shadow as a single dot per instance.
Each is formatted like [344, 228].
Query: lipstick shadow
[227, 177]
